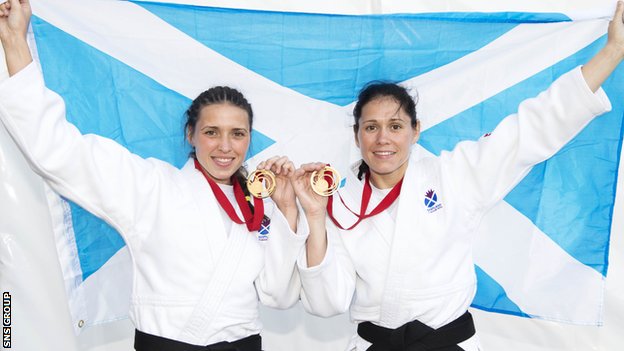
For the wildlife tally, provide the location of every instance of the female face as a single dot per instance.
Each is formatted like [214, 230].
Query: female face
[385, 136]
[221, 138]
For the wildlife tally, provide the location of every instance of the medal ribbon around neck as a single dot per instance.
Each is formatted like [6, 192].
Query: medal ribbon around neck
[252, 221]
[366, 195]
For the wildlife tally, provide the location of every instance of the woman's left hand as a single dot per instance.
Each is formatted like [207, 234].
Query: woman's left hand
[284, 195]
[615, 39]
[598, 69]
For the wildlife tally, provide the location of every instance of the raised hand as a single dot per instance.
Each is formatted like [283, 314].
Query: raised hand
[598, 69]
[14, 19]
[616, 30]
[314, 206]
[284, 195]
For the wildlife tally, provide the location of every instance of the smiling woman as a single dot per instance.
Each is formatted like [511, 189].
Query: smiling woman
[404, 267]
[385, 128]
[218, 127]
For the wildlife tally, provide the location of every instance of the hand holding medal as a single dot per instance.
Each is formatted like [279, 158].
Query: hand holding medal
[261, 183]
[313, 183]
[272, 178]
[326, 181]
[316, 193]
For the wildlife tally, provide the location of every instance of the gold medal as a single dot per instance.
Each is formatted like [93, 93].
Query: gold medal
[261, 183]
[326, 181]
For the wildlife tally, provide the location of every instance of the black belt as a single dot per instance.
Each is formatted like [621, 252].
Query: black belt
[416, 336]
[149, 342]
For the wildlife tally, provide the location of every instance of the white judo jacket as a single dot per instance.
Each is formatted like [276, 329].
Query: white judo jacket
[193, 281]
[414, 261]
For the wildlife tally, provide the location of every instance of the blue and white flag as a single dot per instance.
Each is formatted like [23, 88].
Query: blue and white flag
[128, 71]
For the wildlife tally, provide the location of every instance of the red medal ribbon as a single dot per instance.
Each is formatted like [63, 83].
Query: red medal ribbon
[366, 195]
[252, 221]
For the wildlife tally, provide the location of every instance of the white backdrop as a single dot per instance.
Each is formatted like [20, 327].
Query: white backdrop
[29, 270]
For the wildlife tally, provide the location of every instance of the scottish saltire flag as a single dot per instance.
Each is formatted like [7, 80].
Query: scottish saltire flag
[128, 71]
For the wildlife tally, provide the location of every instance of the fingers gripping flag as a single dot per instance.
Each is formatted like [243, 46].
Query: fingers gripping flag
[128, 71]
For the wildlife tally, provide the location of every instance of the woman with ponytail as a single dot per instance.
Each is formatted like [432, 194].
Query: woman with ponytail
[394, 245]
[203, 251]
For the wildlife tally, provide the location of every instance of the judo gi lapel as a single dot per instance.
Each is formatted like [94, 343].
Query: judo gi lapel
[224, 271]
[403, 246]
[209, 208]
[226, 253]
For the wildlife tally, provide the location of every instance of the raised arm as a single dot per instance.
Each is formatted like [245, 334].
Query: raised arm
[95, 172]
[486, 170]
[278, 284]
[314, 207]
[327, 272]
[14, 19]
[606, 60]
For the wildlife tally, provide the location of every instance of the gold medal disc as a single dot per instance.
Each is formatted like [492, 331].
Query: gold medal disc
[326, 181]
[261, 183]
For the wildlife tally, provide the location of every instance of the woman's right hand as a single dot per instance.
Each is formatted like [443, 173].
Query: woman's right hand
[313, 204]
[14, 19]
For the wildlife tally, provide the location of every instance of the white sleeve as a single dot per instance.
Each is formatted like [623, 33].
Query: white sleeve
[278, 284]
[327, 289]
[484, 172]
[96, 173]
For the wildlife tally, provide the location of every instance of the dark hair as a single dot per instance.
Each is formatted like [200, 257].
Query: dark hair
[220, 95]
[212, 96]
[376, 90]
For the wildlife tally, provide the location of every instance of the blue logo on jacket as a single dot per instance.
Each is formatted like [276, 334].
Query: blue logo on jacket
[431, 201]
[265, 228]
